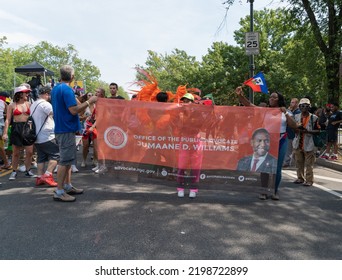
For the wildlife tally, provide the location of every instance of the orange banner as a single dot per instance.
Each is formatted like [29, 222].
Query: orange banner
[187, 136]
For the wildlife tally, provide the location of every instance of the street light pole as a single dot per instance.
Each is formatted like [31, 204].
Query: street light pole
[251, 57]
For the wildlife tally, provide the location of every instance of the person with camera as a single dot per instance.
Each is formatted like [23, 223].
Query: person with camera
[303, 143]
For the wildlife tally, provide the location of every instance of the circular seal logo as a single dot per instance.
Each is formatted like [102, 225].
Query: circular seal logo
[241, 178]
[115, 137]
[203, 176]
[164, 173]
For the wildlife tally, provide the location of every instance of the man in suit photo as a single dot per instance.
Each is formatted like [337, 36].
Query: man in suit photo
[260, 160]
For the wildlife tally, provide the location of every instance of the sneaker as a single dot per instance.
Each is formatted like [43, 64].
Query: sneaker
[6, 166]
[95, 168]
[13, 176]
[64, 197]
[30, 174]
[263, 196]
[83, 164]
[39, 181]
[192, 194]
[275, 197]
[180, 193]
[74, 191]
[102, 169]
[22, 168]
[299, 181]
[325, 156]
[333, 157]
[48, 179]
[74, 169]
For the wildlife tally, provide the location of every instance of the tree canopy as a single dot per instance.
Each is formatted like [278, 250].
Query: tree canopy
[321, 23]
[300, 55]
[50, 56]
[290, 60]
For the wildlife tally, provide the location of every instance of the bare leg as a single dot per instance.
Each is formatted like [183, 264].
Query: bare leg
[28, 157]
[15, 157]
[85, 150]
[62, 172]
[51, 166]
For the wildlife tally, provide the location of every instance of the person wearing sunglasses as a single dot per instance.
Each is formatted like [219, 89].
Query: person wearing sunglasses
[303, 144]
[276, 100]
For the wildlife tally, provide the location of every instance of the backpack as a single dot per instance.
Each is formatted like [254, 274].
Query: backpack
[28, 133]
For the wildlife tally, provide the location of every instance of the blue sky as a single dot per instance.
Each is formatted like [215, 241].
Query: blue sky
[116, 34]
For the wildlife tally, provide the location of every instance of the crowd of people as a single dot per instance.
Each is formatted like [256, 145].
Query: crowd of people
[61, 112]
[301, 122]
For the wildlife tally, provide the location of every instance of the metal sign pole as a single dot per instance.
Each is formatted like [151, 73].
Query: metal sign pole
[251, 57]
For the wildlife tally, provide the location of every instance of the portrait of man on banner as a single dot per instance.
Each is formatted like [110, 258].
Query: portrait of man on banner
[260, 160]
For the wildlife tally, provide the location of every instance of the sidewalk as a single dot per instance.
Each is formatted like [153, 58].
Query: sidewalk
[335, 165]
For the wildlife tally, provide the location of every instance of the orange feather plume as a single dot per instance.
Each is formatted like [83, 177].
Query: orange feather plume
[181, 90]
[149, 86]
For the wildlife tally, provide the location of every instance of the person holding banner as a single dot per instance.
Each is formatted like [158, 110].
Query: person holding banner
[276, 100]
[186, 157]
[67, 123]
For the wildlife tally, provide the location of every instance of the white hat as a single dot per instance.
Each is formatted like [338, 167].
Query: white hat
[21, 89]
[304, 101]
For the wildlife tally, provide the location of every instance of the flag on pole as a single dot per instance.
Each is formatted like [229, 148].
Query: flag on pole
[257, 83]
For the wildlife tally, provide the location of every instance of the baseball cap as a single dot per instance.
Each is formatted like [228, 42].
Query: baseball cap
[21, 89]
[45, 89]
[188, 96]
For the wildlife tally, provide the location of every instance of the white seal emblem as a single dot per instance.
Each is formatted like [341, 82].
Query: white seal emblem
[115, 137]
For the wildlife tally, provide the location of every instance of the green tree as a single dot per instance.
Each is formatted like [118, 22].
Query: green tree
[225, 67]
[325, 20]
[172, 70]
[52, 57]
[6, 69]
[290, 59]
[222, 70]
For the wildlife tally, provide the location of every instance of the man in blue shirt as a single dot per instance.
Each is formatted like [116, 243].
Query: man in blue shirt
[67, 123]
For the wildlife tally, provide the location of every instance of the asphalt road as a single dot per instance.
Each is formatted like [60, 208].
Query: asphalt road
[125, 219]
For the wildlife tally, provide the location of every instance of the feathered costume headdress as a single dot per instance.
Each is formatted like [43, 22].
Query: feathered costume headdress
[149, 89]
[149, 86]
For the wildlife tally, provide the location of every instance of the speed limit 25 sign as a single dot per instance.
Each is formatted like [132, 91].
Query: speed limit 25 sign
[252, 43]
